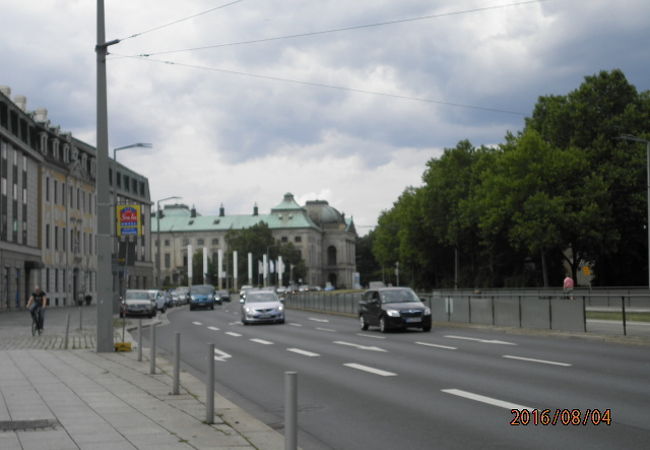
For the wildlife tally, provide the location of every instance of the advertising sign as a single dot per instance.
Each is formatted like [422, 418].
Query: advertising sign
[129, 220]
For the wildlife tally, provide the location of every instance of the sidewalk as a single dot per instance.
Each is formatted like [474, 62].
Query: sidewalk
[79, 399]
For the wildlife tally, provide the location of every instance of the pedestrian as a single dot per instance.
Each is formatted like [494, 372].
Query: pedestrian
[568, 287]
[36, 305]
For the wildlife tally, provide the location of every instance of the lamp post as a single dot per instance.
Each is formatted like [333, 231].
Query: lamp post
[647, 143]
[137, 144]
[158, 236]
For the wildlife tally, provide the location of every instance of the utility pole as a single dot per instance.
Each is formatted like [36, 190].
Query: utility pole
[104, 241]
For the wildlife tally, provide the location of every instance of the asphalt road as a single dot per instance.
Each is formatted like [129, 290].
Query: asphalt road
[451, 388]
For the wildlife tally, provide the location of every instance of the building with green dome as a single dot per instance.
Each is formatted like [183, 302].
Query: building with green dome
[324, 236]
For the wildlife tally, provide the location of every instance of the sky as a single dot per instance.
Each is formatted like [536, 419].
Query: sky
[337, 100]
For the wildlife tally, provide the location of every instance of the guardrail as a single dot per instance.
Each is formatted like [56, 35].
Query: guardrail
[552, 309]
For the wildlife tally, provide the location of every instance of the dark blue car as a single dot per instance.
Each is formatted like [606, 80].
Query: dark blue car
[202, 296]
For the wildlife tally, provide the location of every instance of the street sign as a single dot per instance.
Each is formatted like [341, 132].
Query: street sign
[129, 220]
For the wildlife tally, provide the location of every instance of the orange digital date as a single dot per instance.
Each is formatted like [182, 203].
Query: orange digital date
[524, 417]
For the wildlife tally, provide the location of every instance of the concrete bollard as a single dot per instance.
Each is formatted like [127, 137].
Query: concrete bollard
[152, 354]
[209, 391]
[139, 339]
[290, 410]
[177, 364]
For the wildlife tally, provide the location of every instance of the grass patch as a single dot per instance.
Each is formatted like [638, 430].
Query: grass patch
[618, 316]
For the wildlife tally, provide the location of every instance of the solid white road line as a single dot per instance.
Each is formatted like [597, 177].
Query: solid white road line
[221, 356]
[368, 369]
[326, 329]
[197, 323]
[428, 344]
[295, 324]
[485, 341]
[213, 328]
[360, 347]
[371, 336]
[303, 352]
[542, 361]
[261, 341]
[230, 333]
[484, 399]
[318, 320]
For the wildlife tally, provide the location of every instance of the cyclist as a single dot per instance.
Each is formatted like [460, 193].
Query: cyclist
[36, 304]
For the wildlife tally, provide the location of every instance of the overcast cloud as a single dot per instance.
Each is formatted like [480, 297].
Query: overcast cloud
[232, 139]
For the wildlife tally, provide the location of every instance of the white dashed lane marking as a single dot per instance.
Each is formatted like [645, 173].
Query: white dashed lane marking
[261, 341]
[484, 341]
[295, 324]
[230, 333]
[484, 399]
[428, 344]
[371, 336]
[197, 323]
[326, 329]
[360, 347]
[213, 328]
[369, 369]
[318, 320]
[303, 352]
[541, 361]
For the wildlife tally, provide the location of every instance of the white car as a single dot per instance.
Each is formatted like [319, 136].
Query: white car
[159, 298]
[261, 306]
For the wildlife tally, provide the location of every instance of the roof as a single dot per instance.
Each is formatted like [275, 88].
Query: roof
[287, 215]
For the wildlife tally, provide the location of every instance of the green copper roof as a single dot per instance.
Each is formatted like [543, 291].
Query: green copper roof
[287, 215]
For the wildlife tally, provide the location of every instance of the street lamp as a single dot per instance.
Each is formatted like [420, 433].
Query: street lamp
[137, 144]
[647, 142]
[158, 236]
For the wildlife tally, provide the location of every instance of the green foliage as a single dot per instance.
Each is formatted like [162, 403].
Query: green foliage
[563, 192]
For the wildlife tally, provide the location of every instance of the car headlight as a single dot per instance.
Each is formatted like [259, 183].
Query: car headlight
[250, 310]
[281, 308]
[392, 312]
[427, 311]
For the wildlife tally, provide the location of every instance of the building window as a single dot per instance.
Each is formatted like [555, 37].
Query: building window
[47, 235]
[166, 242]
[199, 242]
[215, 241]
[56, 238]
[56, 190]
[186, 241]
[168, 260]
[297, 239]
[47, 189]
[285, 239]
[331, 255]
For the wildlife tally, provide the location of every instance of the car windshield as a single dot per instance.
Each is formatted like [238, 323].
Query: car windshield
[180, 291]
[222, 293]
[202, 290]
[259, 297]
[137, 295]
[398, 296]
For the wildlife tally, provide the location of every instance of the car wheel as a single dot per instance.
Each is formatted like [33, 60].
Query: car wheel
[191, 308]
[281, 321]
[212, 307]
[427, 328]
[163, 310]
[383, 326]
[244, 321]
[363, 323]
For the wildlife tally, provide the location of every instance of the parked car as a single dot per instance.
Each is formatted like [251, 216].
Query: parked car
[159, 299]
[261, 306]
[222, 295]
[137, 302]
[244, 289]
[202, 296]
[181, 295]
[169, 300]
[392, 308]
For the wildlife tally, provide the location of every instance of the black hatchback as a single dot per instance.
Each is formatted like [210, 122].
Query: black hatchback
[393, 308]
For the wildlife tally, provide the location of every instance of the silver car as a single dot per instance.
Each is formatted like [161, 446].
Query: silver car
[261, 306]
[137, 302]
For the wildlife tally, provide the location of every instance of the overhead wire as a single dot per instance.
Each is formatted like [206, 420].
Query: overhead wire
[341, 29]
[327, 86]
[159, 27]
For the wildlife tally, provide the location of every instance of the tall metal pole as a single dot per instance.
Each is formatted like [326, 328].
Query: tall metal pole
[157, 244]
[104, 272]
[648, 198]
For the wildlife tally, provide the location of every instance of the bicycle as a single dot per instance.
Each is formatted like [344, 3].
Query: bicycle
[36, 322]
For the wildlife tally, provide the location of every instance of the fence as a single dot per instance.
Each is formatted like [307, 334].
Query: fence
[524, 308]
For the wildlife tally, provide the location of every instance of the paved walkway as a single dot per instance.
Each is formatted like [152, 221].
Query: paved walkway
[53, 399]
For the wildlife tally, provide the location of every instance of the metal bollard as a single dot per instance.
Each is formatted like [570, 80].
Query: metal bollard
[139, 339]
[209, 391]
[177, 364]
[152, 355]
[290, 410]
[67, 330]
